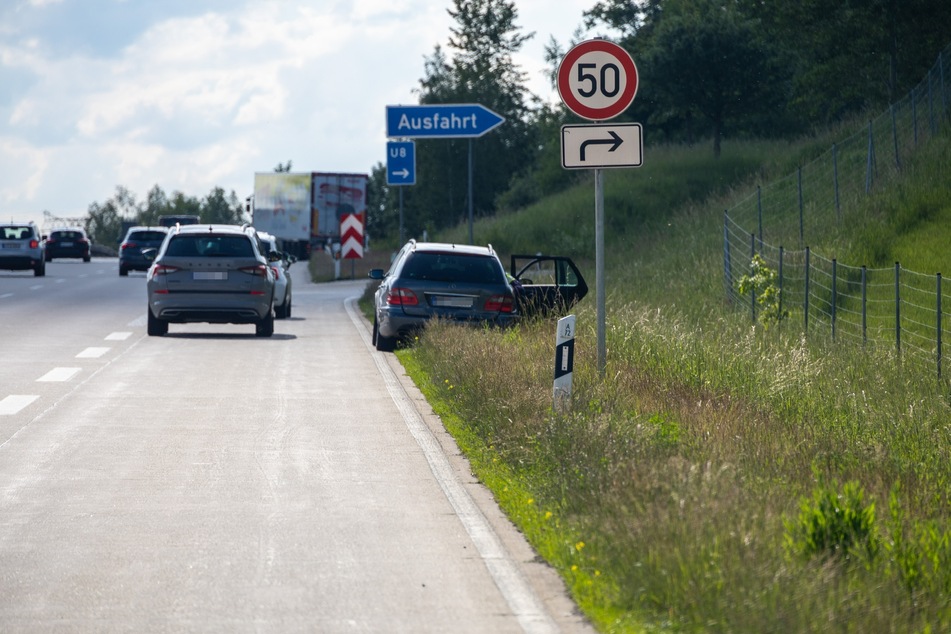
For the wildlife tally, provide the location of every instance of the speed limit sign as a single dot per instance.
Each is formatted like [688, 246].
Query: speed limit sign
[597, 80]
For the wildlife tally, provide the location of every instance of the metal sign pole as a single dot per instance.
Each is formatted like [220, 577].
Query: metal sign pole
[599, 266]
[469, 193]
[401, 216]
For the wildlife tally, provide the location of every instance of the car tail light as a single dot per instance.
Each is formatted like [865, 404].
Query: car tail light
[500, 304]
[127, 245]
[257, 269]
[401, 297]
[276, 274]
[162, 269]
[34, 243]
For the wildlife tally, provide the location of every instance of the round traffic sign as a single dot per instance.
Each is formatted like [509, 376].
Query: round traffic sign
[597, 80]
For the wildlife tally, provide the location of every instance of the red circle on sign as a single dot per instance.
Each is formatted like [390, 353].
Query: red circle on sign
[574, 100]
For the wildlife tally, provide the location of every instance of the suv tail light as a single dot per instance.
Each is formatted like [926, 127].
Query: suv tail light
[500, 303]
[401, 297]
[34, 243]
[257, 269]
[163, 269]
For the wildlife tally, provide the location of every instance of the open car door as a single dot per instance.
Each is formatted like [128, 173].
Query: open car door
[546, 284]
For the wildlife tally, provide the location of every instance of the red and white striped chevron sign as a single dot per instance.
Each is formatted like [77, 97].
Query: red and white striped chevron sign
[351, 236]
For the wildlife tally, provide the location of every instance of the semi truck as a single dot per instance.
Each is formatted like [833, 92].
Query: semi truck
[304, 209]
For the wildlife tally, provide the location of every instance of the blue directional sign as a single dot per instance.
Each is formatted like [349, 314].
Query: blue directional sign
[440, 121]
[400, 163]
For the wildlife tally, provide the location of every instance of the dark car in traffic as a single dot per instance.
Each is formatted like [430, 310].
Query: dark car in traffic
[463, 283]
[136, 239]
[68, 243]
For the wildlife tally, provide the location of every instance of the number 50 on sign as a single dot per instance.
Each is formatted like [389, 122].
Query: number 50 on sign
[597, 80]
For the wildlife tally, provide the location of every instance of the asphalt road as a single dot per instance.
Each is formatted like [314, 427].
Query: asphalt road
[214, 481]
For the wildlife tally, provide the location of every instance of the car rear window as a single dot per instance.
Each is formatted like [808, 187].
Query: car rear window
[147, 236]
[453, 267]
[16, 233]
[210, 246]
[67, 235]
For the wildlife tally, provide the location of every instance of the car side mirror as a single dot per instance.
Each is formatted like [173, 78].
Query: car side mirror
[376, 274]
[149, 253]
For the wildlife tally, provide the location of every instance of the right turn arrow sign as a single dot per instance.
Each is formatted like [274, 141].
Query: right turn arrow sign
[595, 146]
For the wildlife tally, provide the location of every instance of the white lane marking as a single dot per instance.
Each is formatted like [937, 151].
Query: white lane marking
[6, 295]
[118, 336]
[92, 353]
[525, 604]
[137, 323]
[58, 375]
[36, 287]
[60, 280]
[15, 402]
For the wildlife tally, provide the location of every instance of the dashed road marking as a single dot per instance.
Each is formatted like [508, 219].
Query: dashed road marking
[58, 375]
[92, 353]
[15, 402]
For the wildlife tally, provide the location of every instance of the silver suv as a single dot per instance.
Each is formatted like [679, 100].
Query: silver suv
[212, 274]
[22, 248]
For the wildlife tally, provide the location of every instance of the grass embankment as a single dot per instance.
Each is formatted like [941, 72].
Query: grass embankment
[718, 477]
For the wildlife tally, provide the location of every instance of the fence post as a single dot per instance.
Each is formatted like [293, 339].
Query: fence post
[938, 314]
[727, 264]
[834, 291]
[864, 305]
[805, 311]
[897, 310]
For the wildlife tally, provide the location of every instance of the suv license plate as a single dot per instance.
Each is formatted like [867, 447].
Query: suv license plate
[212, 275]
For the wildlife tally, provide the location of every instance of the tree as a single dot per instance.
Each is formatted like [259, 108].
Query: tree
[220, 209]
[707, 59]
[156, 204]
[482, 70]
[104, 222]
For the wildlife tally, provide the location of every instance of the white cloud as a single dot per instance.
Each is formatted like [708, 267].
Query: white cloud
[193, 102]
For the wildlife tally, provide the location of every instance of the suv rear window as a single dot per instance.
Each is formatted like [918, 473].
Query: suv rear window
[68, 235]
[452, 267]
[210, 246]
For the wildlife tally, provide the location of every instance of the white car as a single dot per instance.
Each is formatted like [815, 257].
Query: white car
[280, 263]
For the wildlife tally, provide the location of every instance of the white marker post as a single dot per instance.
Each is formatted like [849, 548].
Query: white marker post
[564, 362]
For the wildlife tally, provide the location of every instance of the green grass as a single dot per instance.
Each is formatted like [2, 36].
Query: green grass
[719, 477]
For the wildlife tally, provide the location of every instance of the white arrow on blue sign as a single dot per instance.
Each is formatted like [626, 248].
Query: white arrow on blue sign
[400, 163]
[440, 121]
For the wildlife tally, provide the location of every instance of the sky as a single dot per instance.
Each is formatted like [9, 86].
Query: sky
[195, 94]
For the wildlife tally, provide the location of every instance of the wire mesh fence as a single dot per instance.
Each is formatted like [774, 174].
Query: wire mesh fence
[891, 306]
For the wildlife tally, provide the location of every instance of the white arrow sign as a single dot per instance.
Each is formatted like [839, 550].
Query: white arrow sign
[403, 173]
[598, 145]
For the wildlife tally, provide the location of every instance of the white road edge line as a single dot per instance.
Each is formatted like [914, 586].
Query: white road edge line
[527, 607]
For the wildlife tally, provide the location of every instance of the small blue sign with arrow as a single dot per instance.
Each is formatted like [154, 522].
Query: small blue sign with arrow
[440, 121]
[400, 163]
